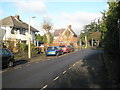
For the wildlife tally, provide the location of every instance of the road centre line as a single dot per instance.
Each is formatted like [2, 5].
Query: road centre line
[69, 68]
[44, 87]
[56, 78]
[73, 65]
[64, 72]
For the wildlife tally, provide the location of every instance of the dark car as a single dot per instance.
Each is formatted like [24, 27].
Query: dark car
[7, 58]
[54, 50]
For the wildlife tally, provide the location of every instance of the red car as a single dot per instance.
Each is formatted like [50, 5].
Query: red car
[65, 48]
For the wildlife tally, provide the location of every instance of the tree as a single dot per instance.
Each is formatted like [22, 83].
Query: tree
[112, 33]
[47, 27]
[39, 37]
[44, 38]
[51, 38]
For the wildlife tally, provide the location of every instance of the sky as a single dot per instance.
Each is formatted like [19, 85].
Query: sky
[60, 13]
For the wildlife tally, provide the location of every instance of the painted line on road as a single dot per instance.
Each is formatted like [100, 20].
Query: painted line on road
[44, 87]
[73, 65]
[69, 68]
[64, 72]
[56, 78]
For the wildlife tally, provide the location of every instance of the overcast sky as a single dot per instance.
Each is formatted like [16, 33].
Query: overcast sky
[60, 13]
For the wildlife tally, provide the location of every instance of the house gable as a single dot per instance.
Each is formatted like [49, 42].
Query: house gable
[66, 37]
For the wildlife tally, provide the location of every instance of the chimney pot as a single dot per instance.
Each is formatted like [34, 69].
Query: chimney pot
[70, 26]
[17, 17]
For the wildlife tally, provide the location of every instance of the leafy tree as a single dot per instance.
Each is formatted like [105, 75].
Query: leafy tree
[44, 38]
[39, 37]
[112, 34]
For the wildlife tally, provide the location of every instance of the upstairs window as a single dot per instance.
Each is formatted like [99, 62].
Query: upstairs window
[22, 31]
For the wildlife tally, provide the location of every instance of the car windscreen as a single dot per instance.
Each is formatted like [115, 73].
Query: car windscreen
[50, 48]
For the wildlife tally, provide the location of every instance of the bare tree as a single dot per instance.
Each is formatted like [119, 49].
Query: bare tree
[47, 27]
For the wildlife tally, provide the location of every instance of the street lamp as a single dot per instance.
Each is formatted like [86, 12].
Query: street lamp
[29, 39]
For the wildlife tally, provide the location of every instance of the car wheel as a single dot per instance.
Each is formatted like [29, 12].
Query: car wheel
[10, 64]
[57, 54]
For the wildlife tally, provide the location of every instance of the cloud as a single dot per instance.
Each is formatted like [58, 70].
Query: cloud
[31, 6]
[77, 20]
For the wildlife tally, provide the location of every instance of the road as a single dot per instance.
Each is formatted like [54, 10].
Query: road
[42, 74]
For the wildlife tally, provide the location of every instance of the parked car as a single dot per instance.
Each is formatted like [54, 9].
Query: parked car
[65, 48]
[7, 58]
[71, 47]
[54, 50]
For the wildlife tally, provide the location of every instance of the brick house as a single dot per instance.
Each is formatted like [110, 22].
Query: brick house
[65, 36]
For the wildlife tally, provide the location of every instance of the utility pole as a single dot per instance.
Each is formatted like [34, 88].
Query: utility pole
[29, 39]
[92, 42]
[86, 41]
[80, 44]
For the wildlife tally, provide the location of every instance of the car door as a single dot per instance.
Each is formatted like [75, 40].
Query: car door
[5, 57]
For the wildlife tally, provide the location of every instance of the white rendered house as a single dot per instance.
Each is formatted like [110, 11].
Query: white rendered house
[16, 29]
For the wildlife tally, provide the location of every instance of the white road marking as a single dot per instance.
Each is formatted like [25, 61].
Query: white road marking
[44, 87]
[69, 68]
[56, 78]
[76, 62]
[73, 65]
[64, 72]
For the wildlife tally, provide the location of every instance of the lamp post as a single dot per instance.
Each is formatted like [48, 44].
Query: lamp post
[29, 39]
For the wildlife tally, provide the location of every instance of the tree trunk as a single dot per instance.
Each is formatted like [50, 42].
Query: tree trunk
[48, 37]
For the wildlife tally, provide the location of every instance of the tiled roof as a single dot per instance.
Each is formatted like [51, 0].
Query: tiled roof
[58, 31]
[12, 21]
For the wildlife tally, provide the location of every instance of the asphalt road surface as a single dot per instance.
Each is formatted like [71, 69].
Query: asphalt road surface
[41, 74]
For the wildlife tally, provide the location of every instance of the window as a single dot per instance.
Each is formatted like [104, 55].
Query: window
[12, 32]
[4, 53]
[22, 31]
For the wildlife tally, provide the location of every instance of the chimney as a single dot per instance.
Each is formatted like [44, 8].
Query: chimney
[17, 17]
[69, 26]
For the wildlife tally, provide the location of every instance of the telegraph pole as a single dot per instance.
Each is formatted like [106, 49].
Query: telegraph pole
[29, 39]
[29, 51]
[80, 44]
[86, 41]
